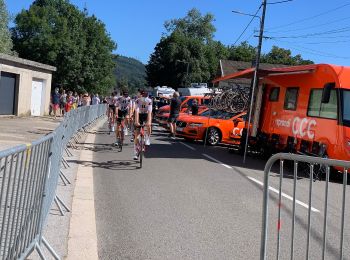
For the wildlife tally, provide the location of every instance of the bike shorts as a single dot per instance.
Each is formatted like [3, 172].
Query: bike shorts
[121, 115]
[112, 107]
[142, 119]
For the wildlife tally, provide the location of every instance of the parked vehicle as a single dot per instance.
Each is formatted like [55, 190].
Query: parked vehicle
[196, 89]
[302, 109]
[186, 103]
[220, 127]
[163, 91]
[163, 119]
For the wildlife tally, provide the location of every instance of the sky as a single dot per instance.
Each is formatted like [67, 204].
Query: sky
[319, 30]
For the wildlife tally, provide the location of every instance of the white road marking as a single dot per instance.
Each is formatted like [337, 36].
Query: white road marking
[262, 184]
[211, 158]
[283, 194]
[188, 146]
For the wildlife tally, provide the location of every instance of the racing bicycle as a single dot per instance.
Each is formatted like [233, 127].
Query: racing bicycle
[140, 146]
[121, 135]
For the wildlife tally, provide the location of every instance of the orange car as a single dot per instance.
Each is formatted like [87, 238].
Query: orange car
[163, 119]
[220, 127]
[186, 103]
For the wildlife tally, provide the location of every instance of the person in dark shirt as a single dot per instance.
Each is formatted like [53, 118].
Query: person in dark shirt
[194, 107]
[56, 97]
[175, 104]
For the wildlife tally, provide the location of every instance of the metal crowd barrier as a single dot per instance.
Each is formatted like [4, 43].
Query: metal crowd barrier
[312, 162]
[29, 175]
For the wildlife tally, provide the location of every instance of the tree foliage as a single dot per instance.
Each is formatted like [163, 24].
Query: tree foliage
[130, 73]
[189, 42]
[189, 47]
[5, 35]
[56, 32]
[279, 55]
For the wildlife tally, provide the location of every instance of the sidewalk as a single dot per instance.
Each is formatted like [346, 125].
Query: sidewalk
[21, 130]
[82, 239]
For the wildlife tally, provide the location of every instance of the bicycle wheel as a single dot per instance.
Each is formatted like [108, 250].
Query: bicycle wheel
[142, 143]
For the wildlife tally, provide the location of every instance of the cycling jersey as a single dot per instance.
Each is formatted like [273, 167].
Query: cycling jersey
[143, 105]
[123, 103]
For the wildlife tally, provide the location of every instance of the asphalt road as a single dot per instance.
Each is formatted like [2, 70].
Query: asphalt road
[195, 202]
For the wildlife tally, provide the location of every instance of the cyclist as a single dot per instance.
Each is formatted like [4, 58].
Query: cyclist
[132, 116]
[111, 112]
[122, 111]
[143, 116]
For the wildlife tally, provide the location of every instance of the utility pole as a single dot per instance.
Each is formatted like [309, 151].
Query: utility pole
[256, 77]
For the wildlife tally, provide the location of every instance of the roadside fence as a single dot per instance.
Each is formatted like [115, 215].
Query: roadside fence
[271, 242]
[29, 175]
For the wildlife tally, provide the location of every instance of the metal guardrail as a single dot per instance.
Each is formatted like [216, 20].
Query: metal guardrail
[312, 162]
[29, 176]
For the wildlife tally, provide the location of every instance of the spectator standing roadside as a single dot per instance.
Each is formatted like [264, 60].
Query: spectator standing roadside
[95, 100]
[75, 100]
[69, 103]
[194, 107]
[80, 100]
[86, 100]
[56, 101]
[174, 113]
[63, 101]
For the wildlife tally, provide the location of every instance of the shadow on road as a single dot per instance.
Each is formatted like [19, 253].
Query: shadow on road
[110, 164]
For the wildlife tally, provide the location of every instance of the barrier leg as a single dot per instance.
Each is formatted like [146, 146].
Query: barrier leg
[66, 163]
[40, 252]
[65, 177]
[58, 206]
[62, 203]
[62, 179]
[69, 154]
[51, 250]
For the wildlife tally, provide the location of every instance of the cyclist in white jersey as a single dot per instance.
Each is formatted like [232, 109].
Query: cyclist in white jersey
[143, 116]
[122, 111]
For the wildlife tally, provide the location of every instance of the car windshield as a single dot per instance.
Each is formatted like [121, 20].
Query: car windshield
[212, 113]
[346, 107]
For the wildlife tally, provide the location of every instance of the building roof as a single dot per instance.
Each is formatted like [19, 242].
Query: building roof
[228, 67]
[232, 66]
[4, 58]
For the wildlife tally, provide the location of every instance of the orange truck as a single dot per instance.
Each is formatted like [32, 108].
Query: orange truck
[301, 109]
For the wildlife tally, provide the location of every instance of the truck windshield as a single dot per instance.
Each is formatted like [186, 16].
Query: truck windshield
[346, 107]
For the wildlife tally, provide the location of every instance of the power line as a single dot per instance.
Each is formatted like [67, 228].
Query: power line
[280, 2]
[334, 31]
[247, 25]
[318, 42]
[315, 52]
[311, 27]
[311, 17]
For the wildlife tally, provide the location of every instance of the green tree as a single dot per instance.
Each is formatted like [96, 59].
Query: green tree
[279, 55]
[188, 44]
[5, 35]
[193, 25]
[56, 32]
[242, 52]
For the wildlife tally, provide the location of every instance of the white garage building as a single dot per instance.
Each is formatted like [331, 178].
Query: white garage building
[25, 86]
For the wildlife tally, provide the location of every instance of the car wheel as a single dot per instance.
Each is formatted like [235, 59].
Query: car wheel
[213, 136]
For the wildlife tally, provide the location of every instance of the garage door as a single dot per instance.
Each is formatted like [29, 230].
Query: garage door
[7, 93]
[36, 101]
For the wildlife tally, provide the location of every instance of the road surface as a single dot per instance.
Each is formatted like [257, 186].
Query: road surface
[195, 202]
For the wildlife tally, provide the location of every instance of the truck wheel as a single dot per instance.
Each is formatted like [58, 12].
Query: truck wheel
[214, 136]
